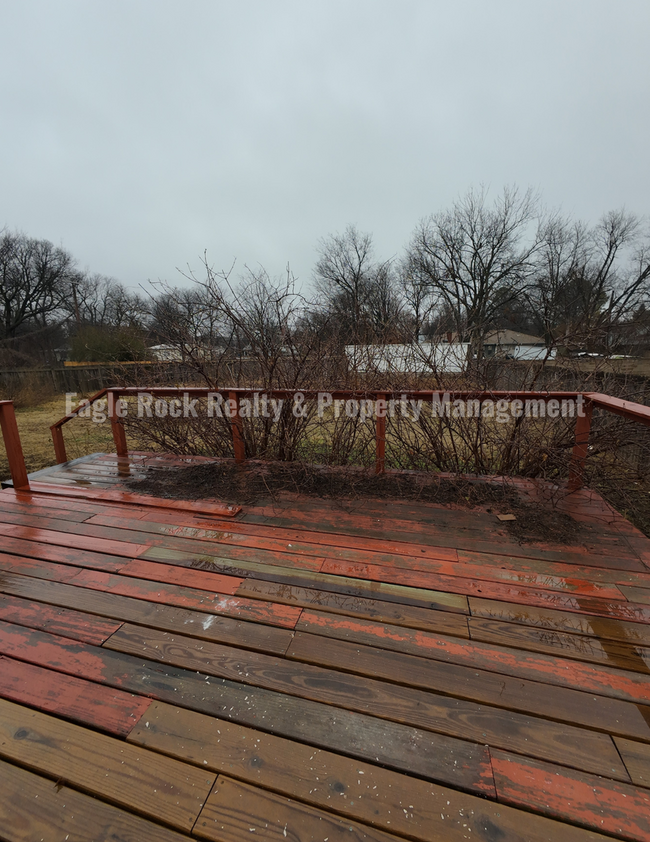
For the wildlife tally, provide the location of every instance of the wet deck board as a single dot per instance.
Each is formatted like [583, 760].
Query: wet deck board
[63, 621]
[161, 788]
[359, 791]
[33, 807]
[617, 683]
[168, 617]
[393, 670]
[409, 706]
[587, 800]
[73, 698]
[574, 646]
[235, 810]
[480, 685]
[561, 621]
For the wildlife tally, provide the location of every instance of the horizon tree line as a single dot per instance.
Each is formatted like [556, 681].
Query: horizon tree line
[480, 265]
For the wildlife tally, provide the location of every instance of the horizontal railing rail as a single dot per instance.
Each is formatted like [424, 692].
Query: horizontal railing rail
[56, 428]
[233, 395]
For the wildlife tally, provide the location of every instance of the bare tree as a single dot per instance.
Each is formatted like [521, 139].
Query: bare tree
[475, 258]
[35, 279]
[591, 283]
[261, 326]
[358, 291]
[99, 301]
[418, 298]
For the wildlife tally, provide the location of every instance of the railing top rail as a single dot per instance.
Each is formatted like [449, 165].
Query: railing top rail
[78, 409]
[343, 393]
[627, 409]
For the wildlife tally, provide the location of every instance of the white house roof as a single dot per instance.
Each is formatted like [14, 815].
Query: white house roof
[512, 337]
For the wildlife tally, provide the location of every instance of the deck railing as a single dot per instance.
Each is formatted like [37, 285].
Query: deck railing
[13, 446]
[232, 397]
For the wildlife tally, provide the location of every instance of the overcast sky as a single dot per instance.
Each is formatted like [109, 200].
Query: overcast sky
[139, 133]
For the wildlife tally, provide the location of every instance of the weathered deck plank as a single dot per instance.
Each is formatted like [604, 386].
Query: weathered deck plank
[36, 808]
[356, 790]
[378, 671]
[161, 788]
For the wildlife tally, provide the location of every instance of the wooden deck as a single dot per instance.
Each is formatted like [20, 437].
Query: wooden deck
[303, 671]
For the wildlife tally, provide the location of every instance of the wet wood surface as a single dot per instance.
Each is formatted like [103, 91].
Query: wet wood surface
[375, 670]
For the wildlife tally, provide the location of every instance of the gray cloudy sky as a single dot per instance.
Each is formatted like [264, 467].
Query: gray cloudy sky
[139, 133]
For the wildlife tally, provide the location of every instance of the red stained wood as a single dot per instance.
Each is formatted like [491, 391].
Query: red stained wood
[204, 507]
[284, 616]
[454, 577]
[278, 535]
[13, 446]
[183, 576]
[329, 520]
[237, 428]
[337, 584]
[71, 539]
[73, 698]
[197, 552]
[619, 684]
[575, 603]
[576, 467]
[370, 544]
[370, 669]
[531, 573]
[356, 606]
[228, 536]
[38, 569]
[171, 618]
[53, 651]
[575, 646]
[13, 507]
[59, 445]
[437, 713]
[620, 809]
[26, 499]
[561, 621]
[64, 555]
[62, 621]
[308, 722]
[562, 704]
[135, 541]
[608, 573]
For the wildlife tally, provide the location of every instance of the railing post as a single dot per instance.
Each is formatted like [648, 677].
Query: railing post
[117, 426]
[380, 433]
[59, 445]
[238, 444]
[577, 466]
[13, 446]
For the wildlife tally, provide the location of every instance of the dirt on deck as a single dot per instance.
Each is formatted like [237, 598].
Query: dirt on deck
[254, 481]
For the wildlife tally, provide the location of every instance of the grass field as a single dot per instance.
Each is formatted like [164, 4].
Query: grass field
[82, 436]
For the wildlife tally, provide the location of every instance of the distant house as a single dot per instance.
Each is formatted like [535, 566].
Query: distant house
[166, 353]
[420, 358]
[513, 345]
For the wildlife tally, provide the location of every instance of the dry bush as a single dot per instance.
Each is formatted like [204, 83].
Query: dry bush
[30, 390]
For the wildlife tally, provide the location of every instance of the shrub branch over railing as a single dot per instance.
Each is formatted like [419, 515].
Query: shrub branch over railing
[499, 432]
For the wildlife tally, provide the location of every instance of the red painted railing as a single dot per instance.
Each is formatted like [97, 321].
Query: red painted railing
[590, 400]
[13, 446]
